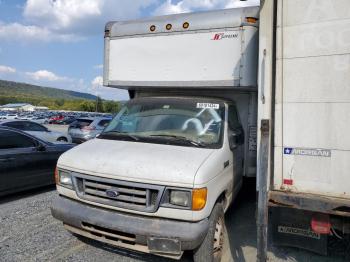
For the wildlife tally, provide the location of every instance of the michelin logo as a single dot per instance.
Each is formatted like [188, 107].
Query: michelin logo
[307, 152]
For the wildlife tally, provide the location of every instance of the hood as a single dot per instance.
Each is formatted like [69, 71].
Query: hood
[135, 161]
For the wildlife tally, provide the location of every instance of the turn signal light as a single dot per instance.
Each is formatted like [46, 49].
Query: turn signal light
[199, 198]
[56, 175]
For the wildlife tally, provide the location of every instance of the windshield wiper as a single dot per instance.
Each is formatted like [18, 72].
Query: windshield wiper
[120, 133]
[181, 138]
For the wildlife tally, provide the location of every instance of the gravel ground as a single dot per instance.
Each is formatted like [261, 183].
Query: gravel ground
[29, 233]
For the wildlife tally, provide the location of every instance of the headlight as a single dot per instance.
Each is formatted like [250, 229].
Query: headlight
[63, 178]
[180, 198]
[192, 199]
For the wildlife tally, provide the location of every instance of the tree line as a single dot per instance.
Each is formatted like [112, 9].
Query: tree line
[99, 105]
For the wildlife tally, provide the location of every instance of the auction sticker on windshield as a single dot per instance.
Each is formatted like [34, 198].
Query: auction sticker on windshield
[207, 105]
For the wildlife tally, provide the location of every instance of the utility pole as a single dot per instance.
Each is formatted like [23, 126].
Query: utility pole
[96, 104]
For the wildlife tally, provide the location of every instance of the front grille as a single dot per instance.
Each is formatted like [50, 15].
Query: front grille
[128, 195]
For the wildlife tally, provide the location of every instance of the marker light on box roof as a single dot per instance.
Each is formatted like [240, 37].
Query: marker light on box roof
[168, 26]
[251, 20]
[152, 28]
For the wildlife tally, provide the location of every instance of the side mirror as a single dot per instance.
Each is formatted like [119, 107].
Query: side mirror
[236, 138]
[40, 147]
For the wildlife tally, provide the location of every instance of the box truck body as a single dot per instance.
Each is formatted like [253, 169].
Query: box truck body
[159, 178]
[304, 62]
[205, 68]
[218, 49]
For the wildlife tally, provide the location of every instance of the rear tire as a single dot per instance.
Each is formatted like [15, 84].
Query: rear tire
[212, 247]
[62, 139]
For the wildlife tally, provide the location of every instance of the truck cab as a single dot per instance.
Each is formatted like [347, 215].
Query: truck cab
[161, 175]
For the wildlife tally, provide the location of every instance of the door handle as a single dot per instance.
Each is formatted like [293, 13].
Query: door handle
[7, 159]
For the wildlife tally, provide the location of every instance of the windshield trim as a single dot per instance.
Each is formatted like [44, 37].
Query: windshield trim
[160, 141]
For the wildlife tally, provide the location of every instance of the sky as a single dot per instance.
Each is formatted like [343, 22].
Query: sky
[59, 43]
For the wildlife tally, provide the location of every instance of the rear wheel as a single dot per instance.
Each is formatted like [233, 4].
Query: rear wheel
[62, 139]
[212, 247]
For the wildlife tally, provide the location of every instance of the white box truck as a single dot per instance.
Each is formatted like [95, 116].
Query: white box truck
[160, 177]
[304, 95]
[162, 174]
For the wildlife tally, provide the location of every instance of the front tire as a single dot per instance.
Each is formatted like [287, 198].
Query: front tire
[211, 248]
[62, 139]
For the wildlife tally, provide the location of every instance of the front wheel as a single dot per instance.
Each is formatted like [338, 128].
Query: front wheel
[62, 139]
[211, 248]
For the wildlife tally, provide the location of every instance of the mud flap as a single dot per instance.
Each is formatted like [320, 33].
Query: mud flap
[292, 227]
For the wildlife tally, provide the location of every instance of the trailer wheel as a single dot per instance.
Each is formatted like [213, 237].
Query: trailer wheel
[211, 248]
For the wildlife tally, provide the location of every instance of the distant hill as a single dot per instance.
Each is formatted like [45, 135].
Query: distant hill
[54, 98]
[16, 89]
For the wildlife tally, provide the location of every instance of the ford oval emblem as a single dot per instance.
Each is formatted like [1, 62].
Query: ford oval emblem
[112, 193]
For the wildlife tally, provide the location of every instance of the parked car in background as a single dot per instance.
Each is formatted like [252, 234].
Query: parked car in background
[37, 130]
[26, 162]
[66, 120]
[55, 119]
[26, 117]
[40, 120]
[10, 116]
[84, 129]
[35, 117]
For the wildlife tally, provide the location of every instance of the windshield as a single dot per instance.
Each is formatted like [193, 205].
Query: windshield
[187, 122]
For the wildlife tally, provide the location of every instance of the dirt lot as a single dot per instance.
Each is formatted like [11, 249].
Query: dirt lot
[29, 233]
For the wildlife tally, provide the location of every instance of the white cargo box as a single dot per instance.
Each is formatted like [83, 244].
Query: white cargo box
[217, 49]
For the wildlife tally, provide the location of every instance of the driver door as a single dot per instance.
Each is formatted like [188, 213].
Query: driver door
[236, 138]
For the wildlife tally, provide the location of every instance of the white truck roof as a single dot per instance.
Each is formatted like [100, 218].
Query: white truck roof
[227, 18]
[196, 50]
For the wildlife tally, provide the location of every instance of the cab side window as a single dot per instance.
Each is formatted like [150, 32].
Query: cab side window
[235, 125]
[233, 119]
[10, 139]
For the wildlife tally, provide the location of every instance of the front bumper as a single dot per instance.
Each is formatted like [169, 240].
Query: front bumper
[130, 231]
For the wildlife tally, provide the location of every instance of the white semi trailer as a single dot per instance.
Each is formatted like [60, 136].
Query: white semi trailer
[161, 176]
[304, 99]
